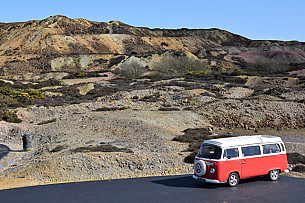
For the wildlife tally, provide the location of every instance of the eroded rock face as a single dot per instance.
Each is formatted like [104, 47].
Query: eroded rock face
[57, 64]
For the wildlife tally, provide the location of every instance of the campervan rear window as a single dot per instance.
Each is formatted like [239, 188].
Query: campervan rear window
[271, 148]
[209, 151]
[251, 151]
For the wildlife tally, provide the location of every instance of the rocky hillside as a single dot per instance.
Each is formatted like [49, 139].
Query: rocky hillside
[59, 43]
[108, 100]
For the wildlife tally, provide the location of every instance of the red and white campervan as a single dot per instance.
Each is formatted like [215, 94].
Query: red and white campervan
[234, 158]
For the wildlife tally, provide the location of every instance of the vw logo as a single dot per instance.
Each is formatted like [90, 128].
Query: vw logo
[198, 168]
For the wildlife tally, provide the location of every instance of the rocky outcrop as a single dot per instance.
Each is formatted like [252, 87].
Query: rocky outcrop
[59, 43]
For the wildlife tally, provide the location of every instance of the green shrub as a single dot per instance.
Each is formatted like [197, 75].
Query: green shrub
[6, 91]
[35, 94]
[22, 97]
[27, 96]
[6, 101]
[197, 73]
[11, 98]
[10, 116]
[80, 74]
[170, 66]
[4, 113]
[225, 69]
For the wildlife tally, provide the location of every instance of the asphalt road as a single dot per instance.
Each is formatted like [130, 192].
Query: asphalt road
[161, 189]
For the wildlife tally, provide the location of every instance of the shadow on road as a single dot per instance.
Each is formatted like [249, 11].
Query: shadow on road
[186, 182]
[4, 150]
[189, 182]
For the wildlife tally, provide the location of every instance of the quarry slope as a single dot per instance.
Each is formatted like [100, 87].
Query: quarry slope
[59, 43]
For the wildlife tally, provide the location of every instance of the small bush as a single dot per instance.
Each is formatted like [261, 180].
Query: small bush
[6, 91]
[10, 116]
[197, 73]
[224, 69]
[130, 69]
[22, 97]
[6, 101]
[80, 74]
[170, 66]
[5, 114]
[27, 96]
[35, 94]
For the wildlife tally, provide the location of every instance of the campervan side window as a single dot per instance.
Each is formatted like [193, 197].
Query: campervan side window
[251, 151]
[233, 152]
[271, 148]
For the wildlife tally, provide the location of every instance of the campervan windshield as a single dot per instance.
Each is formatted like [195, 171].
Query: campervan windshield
[209, 151]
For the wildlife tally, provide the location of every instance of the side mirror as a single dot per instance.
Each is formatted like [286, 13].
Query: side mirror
[228, 157]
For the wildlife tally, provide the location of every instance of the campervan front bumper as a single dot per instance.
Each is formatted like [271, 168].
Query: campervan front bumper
[207, 180]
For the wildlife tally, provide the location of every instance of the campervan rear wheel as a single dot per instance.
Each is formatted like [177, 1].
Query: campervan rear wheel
[233, 179]
[274, 174]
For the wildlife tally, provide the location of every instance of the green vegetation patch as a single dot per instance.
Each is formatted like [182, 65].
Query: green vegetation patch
[10, 116]
[15, 98]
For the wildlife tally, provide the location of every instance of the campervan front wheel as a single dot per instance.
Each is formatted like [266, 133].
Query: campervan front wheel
[233, 179]
[274, 174]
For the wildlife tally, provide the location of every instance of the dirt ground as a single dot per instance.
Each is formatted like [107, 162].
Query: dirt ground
[129, 133]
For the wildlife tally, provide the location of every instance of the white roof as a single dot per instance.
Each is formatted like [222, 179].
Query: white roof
[243, 140]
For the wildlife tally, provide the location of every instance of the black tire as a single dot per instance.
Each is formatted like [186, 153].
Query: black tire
[233, 179]
[274, 175]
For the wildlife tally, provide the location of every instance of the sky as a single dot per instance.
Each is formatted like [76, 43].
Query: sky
[254, 19]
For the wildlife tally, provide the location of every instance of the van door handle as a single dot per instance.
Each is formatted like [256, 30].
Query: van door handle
[243, 162]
